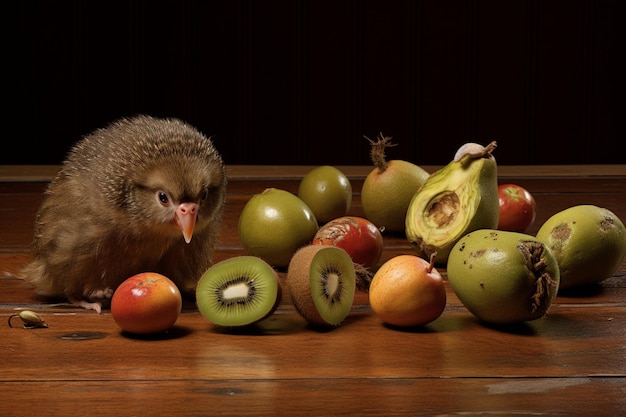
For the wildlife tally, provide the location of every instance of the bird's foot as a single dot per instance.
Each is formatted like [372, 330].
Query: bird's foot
[87, 305]
[104, 294]
[94, 300]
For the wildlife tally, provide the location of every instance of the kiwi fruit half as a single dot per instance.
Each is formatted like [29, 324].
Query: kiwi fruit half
[238, 291]
[321, 280]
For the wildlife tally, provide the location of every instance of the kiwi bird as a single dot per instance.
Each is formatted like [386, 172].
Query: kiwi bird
[142, 194]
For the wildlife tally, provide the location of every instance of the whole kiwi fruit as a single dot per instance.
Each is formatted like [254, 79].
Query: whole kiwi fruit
[322, 283]
[238, 291]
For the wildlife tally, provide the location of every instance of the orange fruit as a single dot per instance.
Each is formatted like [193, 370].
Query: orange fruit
[407, 291]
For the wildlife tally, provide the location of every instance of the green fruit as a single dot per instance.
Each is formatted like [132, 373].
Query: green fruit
[322, 283]
[589, 243]
[503, 277]
[327, 192]
[274, 224]
[389, 187]
[457, 199]
[238, 291]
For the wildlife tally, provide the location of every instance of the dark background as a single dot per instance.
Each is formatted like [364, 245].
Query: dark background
[302, 82]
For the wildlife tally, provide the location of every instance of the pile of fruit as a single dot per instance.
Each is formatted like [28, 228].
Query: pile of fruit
[457, 218]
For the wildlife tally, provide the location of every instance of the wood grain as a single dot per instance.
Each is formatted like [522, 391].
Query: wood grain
[571, 362]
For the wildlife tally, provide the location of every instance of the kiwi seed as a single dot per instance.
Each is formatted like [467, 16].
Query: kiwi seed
[238, 291]
[322, 284]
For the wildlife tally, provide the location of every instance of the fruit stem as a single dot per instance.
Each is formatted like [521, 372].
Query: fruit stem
[432, 262]
[363, 277]
[377, 151]
[475, 151]
[491, 147]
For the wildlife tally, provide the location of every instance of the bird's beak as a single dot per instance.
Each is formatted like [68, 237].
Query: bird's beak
[185, 219]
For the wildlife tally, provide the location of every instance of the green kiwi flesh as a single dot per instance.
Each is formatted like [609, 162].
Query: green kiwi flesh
[322, 284]
[238, 291]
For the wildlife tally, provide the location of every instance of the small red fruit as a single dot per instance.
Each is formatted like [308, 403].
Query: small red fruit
[517, 208]
[146, 303]
[356, 235]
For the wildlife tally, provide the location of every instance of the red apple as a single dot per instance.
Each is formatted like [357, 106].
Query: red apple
[146, 303]
[517, 208]
[356, 235]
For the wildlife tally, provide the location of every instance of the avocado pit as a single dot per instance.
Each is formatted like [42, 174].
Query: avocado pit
[443, 210]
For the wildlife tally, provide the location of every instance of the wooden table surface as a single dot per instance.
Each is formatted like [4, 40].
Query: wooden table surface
[571, 362]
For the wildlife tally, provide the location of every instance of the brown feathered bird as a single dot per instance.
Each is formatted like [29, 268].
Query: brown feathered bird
[128, 199]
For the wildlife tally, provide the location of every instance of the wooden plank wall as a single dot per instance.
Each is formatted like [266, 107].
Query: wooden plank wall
[301, 82]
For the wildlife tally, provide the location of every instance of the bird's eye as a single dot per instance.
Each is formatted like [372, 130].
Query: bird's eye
[163, 198]
[204, 195]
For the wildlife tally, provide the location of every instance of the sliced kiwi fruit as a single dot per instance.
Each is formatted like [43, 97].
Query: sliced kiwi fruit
[321, 280]
[238, 291]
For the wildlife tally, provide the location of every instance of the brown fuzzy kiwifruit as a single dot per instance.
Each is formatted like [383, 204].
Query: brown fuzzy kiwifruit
[322, 284]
